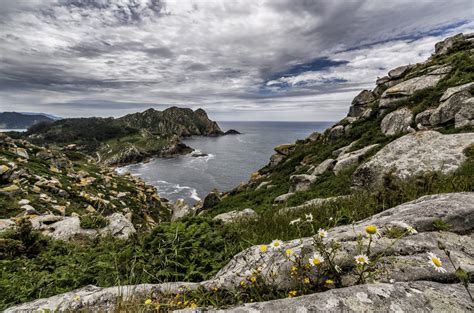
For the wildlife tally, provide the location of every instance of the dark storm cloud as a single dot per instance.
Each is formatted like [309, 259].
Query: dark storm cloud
[109, 56]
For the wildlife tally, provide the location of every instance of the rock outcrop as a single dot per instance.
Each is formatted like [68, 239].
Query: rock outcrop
[420, 152]
[235, 216]
[397, 122]
[452, 102]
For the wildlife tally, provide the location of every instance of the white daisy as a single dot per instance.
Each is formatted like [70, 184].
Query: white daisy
[361, 259]
[322, 233]
[436, 263]
[411, 230]
[276, 244]
[316, 260]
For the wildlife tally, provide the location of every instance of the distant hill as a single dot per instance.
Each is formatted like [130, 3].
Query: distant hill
[14, 120]
[128, 139]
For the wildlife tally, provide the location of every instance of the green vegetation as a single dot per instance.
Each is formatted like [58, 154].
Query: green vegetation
[93, 221]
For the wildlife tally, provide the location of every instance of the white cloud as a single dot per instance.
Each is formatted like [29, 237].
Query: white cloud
[215, 54]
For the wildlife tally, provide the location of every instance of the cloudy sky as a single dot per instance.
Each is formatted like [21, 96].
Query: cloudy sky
[237, 59]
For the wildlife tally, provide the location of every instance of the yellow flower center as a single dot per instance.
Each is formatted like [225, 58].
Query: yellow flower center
[263, 248]
[361, 259]
[316, 261]
[288, 252]
[371, 229]
[276, 244]
[436, 261]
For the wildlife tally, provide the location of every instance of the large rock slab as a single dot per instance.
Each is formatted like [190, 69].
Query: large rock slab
[360, 103]
[351, 158]
[96, 299]
[68, 227]
[311, 204]
[235, 216]
[404, 261]
[465, 116]
[409, 87]
[421, 296]
[420, 152]
[397, 122]
[453, 100]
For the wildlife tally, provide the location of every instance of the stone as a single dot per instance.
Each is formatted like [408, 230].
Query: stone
[412, 154]
[90, 209]
[423, 118]
[311, 204]
[285, 149]
[323, 167]
[235, 216]
[23, 202]
[3, 169]
[301, 182]
[397, 122]
[119, 226]
[315, 136]
[336, 133]
[422, 296]
[211, 200]
[6, 224]
[409, 87]
[29, 210]
[22, 153]
[10, 191]
[382, 80]
[399, 72]
[276, 159]
[283, 198]
[444, 46]
[404, 260]
[99, 299]
[263, 184]
[349, 159]
[465, 116]
[180, 209]
[452, 101]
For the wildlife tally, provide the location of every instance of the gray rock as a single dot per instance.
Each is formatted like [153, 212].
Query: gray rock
[360, 102]
[96, 299]
[283, 198]
[315, 136]
[452, 101]
[6, 224]
[405, 260]
[400, 71]
[444, 46]
[423, 118]
[351, 158]
[68, 227]
[397, 122]
[22, 153]
[420, 152]
[422, 296]
[311, 204]
[336, 133]
[180, 209]
[211, 200]
[301, 182]
[344, 149]
[465, 116]
[29, 210]
[276, 159]
[324, 166]
[285, 149]
[235, 216]
[382, 80]
[409, 87]
[263, 184]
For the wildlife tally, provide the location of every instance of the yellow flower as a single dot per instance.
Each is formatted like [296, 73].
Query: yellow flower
[263, 248]
[186, 303]
[329, 282]
[157, 307]
[193, 305]
[77, 298]
[292, 294]
[148, 301]
[436, 263]
[215, 289]
[288, 252]
[372, 230]
[294, 268]
[179, 302]
[242, 284]
[253, 279]
[306, 280]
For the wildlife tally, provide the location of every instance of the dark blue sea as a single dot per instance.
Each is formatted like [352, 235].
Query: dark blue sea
[231, 159]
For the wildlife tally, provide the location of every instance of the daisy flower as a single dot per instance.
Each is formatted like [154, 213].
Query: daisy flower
[309, 217]
[436, 263]
[411, 230]
[361, 259]
[322, 233]
[317, 259]
[298, 220]
[276, 244]
[289, 252]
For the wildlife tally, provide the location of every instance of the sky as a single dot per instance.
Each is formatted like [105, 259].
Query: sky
[292, 60]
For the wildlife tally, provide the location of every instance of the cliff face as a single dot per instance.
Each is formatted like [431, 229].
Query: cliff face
[131, 138]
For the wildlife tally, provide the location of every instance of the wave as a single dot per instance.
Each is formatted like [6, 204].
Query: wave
[166, 188]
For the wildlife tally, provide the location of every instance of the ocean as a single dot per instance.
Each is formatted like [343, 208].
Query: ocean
[230, 159]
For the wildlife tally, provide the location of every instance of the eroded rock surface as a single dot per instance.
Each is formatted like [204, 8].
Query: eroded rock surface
[420, 152]
[397, 122]
[234, 216]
